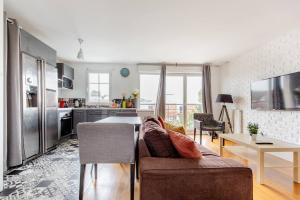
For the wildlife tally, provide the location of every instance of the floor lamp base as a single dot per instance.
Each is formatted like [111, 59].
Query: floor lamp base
[224, 110]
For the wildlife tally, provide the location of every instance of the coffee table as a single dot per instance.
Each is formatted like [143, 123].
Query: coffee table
[277, 146]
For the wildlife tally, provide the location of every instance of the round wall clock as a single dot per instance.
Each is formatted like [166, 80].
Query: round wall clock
[124, 72]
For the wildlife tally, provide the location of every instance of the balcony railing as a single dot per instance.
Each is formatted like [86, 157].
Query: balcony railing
[175, 113]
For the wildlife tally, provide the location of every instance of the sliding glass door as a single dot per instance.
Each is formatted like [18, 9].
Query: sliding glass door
[193, 98]
[183, 98]
[175, 99]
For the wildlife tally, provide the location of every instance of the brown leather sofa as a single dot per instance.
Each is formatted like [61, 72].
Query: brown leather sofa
[211, 178]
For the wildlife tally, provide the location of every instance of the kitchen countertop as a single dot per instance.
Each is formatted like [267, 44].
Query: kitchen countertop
[101, 108]
[104, 108]
[64, 109]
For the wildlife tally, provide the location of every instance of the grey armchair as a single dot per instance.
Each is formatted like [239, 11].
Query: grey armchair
[106, 143]
[206, 122]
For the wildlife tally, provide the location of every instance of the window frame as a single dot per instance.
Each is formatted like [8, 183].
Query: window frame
[184, 75]
[88, 86]
[146, 73]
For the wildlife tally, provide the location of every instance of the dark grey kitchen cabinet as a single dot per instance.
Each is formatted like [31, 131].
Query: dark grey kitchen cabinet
[92, 115]
[65, 70]
[95, 115]
[78, 116]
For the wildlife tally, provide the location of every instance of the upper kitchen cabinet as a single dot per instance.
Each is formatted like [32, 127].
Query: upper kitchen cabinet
[65, 76]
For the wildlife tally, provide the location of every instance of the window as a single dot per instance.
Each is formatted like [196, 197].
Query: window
[98, 87]
[148, 90]
[183, 92]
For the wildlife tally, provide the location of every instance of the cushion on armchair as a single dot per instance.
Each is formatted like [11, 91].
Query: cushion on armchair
[158, 141]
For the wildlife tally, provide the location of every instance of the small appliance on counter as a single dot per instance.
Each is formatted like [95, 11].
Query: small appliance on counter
[76, 103]
[61, 103]
[71, 102]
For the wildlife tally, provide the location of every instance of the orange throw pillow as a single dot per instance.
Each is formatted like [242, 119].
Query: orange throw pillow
[184, 145]
[162, 121]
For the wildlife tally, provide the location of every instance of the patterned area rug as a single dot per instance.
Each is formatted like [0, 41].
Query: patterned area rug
[51, 176]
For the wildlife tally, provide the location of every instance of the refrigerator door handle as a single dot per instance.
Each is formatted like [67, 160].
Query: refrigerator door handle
[41, 66]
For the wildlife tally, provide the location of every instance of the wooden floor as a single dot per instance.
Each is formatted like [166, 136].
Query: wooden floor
[113, 181]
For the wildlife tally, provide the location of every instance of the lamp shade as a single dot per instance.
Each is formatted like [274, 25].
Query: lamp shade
[224, 98]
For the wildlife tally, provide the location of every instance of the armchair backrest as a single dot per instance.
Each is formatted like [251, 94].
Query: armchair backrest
[106, 143]
[205, 118]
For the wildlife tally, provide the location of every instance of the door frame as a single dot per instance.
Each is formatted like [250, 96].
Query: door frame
[184, 75]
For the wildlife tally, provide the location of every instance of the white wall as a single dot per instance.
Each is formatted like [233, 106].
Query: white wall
[119, 84]
[215, 89]
[1, 94]
[280, 56]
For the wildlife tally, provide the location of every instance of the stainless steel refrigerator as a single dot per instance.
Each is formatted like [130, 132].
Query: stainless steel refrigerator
[35, 84]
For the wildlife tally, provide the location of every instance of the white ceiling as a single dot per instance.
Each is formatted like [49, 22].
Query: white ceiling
[190, 31]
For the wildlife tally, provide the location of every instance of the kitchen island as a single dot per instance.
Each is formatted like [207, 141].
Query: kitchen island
[94, 114]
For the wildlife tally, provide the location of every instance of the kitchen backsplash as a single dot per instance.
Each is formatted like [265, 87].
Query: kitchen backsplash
[71, 101]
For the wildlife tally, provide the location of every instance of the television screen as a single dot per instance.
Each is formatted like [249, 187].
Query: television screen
[278, 93]
[290, 89]
[261, 95]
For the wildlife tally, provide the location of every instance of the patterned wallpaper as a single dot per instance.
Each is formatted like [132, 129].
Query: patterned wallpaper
[278, 57]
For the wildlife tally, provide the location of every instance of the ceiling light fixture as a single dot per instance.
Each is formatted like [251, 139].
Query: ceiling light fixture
[80, 52]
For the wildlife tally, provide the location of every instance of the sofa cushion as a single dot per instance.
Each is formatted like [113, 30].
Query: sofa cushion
[162, 121]
[153, 119]
[206, 152]
[184, 145]
[158, 141]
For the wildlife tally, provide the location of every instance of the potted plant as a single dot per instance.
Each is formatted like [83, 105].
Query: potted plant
[253, 130]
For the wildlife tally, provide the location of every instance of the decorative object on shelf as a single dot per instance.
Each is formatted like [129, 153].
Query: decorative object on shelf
[80, 52]
[253, 130]
[123, 102]
[129, 103]
[135, 95]
[124, 72]
[225, 98]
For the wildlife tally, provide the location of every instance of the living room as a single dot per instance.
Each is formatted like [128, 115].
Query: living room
[150, 100]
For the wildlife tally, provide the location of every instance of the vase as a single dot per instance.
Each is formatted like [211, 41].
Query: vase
[253, 137]
[135, 103]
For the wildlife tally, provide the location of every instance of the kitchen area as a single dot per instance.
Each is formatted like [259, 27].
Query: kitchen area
[53, 96]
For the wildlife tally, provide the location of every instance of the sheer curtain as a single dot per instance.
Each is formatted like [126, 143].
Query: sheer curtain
[206, 89]
[160, 109]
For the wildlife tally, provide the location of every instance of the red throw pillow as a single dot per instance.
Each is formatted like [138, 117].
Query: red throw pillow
[184, 145]
[162, 121]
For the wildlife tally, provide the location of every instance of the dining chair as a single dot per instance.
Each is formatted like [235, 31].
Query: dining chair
[126, 114]
[106, 143]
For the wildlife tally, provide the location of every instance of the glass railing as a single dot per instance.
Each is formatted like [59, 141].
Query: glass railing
[175, 113]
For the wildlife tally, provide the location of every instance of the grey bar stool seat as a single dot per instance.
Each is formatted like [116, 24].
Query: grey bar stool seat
[106, 143]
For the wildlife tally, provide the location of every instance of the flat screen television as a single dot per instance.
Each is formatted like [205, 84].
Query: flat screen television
[277, 93]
